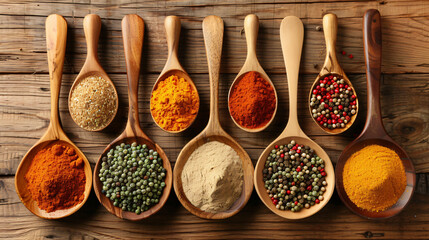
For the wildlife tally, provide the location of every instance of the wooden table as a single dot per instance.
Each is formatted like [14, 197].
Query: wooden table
[24, 104]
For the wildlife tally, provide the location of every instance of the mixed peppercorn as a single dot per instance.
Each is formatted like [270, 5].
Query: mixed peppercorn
[132, 177]
[333, 102]
[294, 177]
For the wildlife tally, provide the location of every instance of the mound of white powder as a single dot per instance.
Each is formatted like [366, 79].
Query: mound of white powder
[212, 178]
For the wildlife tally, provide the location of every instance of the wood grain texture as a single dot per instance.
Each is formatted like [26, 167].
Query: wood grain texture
[24, 106]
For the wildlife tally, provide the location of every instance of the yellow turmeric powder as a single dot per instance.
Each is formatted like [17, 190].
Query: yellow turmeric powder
[374, 178]
[174, 103]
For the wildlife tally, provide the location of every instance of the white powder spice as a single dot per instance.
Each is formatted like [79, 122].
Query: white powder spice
[212, 178]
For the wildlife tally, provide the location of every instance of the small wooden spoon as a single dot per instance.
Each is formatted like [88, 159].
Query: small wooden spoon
[292, 37]
[213, 37]
[56, 36]
[332, 67]
[251, 27]
[173, 66]
[91, 67]
[132, 35]
[374, 132]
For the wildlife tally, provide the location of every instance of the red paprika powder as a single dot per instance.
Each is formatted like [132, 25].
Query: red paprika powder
[252, 101]
[56, 178]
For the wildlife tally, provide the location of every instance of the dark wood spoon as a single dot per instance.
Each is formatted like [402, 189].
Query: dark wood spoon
[374, 132]
[132, 34]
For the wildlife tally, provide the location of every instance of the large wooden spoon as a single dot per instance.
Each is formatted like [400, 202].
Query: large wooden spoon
[213, 38]
[292, 37]
[332, 67]
[91, 67]
[56, 36]
[374, 132]
[251, 27]
[173, 66]
[132, 35]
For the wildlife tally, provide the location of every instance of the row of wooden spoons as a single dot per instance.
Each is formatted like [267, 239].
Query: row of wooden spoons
[291, 34]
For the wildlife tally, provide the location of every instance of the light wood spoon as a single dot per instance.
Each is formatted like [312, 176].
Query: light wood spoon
[132, 35]
[173, 66]
[213, 38]
[251, 27]
[332, 67]
[292, 37]
[92, 67]
[56, 36]
[374, 132]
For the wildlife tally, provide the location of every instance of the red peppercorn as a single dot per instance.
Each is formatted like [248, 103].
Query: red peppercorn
[309, 188]
[317, 201]
[296, 202]
[315, 91]
[340, 107]
[298, 169]
[353, 96]
[275, 201]
[350, 56]
[293, 183]
[344, 114]
[348, 118]
[329, 121]
[343, 52]
[294, 148]
[323, 173]
[288, 191]
[302, 164]
[331, 77]
[276, 146]
[282, 155]
[334, 121]
[298, 151]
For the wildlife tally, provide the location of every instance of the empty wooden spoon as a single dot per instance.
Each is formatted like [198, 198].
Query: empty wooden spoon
[332, 67]
[92, 68]
[213, 38]
[374, 132]
[292, 37]
[56, 36]
[173, 66]
[251, 27]
[132, 35]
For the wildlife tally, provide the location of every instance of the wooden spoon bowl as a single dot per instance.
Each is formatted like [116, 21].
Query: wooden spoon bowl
[132, 34]
[213, 37]
[332, 67]
[92, 67]
[173, 66]
[56, 35]
[374, 132]
[292, 37]
[251, 27]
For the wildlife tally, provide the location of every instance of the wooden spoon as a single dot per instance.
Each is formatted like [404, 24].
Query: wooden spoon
[213, 37]
[374, 132]
[251, 27]
[91, 67]
[173, 66]
[56, 36]
[292, 37]
[132, 35]
[332, 67]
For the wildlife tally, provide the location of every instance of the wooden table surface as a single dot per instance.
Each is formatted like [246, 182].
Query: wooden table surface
[24, 106]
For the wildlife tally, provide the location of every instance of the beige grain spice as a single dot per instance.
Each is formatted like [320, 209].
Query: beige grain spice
[93, 103]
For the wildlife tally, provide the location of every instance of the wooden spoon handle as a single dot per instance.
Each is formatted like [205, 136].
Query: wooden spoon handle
[92, 27]
[56, 36]
[330, 28]
[292, 38]
[213, 38]
[372, 49]
[132, 36]
[251, 27]
[172, 33]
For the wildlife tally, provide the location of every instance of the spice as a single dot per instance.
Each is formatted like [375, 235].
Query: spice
[132, 177]
[294, 177]
[93, 103]
[252, 101]
[56, 178]
[212, 178]
[374, 178]
[174, 103]
[333, 102]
